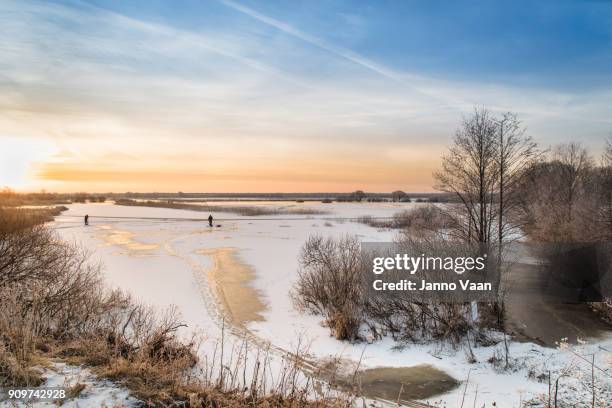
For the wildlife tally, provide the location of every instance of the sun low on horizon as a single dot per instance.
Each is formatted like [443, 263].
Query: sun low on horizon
[249, 96]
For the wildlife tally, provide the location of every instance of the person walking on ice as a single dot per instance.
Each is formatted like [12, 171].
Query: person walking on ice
[210, 220]
[86, 219]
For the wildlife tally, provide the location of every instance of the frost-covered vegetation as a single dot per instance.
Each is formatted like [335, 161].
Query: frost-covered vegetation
[54, 304]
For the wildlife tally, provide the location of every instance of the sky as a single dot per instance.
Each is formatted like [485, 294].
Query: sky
[285, 96]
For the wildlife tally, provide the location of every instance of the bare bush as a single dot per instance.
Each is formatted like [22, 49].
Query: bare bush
[28, 250]
[445, 317]
[48, 291]
[417, 321]
[329, 283]
[423, 219]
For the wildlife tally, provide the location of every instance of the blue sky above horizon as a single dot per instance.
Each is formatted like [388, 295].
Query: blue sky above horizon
[285, 96]
[559, 43]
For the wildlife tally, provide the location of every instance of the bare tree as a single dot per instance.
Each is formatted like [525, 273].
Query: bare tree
[470, 172]
[359, 195]
[483, 170]
[607, 155]
[604, 217]
[516, 153]
[561, 196]
[575, 164]
[398, 195]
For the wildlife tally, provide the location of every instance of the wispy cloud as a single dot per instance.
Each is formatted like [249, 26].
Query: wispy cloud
[406, 81]
[188, 39]
[318, 42]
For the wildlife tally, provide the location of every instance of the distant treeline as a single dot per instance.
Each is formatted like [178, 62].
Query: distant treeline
[10, 198]
[352, 196]
[330, 196]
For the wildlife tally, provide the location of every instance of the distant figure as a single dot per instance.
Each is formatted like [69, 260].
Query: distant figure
[86, 219]
[210, 220]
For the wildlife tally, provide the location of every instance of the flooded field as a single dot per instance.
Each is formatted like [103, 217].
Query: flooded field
[232, 283]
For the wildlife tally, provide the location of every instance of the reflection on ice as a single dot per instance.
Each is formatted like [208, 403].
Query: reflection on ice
[230, 279]
[123, 239]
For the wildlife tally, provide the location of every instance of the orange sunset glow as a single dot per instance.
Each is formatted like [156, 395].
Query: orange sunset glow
[97, 99]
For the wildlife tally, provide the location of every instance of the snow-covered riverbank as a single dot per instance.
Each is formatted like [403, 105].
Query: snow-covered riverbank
[164, 257]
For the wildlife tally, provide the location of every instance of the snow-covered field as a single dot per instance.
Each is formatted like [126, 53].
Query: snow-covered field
[164, 257]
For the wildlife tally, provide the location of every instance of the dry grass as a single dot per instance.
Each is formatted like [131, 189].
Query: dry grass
[16, 371]
[419, 220]
[248, 211]
[181, 381]
[9, 198]
[75, 391]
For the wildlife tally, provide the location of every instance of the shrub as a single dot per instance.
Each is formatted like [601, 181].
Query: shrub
[419, 220]
[329, 283]
[427, 218]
